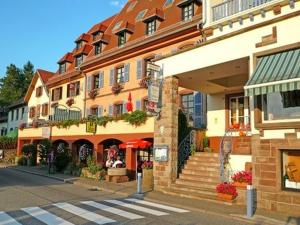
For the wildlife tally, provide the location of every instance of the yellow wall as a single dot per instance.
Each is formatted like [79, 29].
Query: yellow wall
[78, 100]
[34, 101]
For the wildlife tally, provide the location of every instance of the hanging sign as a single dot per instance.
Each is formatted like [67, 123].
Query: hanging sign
[91, 127]
[153, 93]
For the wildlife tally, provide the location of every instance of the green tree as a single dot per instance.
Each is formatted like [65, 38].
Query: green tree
[14, 84]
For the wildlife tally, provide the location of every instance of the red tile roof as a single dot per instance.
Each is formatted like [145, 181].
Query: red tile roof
[83, 37]
[45, 75]
[154, 13]
[68, 57]
[85, 49]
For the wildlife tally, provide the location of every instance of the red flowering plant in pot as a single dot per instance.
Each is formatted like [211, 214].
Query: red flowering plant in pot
[144, 82]
[226, 192]
[70, 102]
[93, 93]
[117, 88]
[242, 179]
[147, 165]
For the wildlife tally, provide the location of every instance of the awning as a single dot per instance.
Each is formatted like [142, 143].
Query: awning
[275, 73]
[136, 144]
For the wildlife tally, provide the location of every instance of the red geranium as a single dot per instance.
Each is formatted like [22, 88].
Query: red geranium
[148, 165]
[226, 188]
[242, 177]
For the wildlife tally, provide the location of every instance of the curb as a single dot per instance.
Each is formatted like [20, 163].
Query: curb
[68, 180]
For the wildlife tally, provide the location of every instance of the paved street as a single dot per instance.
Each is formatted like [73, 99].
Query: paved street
[33, 200]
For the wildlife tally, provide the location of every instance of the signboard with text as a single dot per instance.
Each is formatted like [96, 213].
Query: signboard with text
[91, 127]
[161, 153]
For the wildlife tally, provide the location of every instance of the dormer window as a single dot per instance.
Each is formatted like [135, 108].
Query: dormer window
[188, 11]
[151, 27]
[62, 68]
[98, 48]
[79, 45]
[96, 35]
[121, 39]
[78, 60]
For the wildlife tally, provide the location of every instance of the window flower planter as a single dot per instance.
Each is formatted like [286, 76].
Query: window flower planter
[117, 88]
[226, 197]
[22, 126]
[93, 93]
[70, 102]
[242, 179]
[144, 82]
[226, 192]
[35, 124]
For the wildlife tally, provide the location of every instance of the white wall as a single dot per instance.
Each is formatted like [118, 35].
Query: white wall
[13, 123]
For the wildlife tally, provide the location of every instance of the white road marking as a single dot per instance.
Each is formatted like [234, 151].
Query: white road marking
[84, 213]
[45, 217]
[113, 210]
[138, 208]
[157, 205]
[6, 219]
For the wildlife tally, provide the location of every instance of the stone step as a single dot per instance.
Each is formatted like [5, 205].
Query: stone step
[195, 190]
[194, 162]
[201, 172]
[205, 159]
[197, 184]
[210, 179]
[202, 168]
[206, 154]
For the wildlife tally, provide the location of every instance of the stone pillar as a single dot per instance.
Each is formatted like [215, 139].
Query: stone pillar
[166, 133]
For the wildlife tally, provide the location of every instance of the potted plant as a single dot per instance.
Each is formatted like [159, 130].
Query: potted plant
[116, 89]
[93, 93]
[226, 192]
[144, 82]
[22, 126]
[242, 179]
[147, 181]
[70, 102]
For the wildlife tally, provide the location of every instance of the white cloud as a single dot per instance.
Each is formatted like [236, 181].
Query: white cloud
[117, 3]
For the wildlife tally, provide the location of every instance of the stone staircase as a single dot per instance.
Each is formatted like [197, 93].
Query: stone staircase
[199, 177]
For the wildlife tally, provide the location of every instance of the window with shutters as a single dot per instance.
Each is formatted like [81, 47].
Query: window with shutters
[73, 89]
[120, 75]
[39, 91]
[94, 111]
[38, 111]
[32, 112]
[45, 109]
[118, 110]
[78, 60]
[96, 81]
[57, 94]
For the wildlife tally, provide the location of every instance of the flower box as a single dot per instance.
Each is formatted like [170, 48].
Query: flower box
[225, 197]
[226, 192]
[116, 89]
[241, 185]
[70, 102]
[116, 171]
[242, 179]
[93, 93]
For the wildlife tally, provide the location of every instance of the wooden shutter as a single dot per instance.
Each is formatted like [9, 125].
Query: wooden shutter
[127, 72]
[101, 79]
[124, 107]
[100, 111]
[89, 83]
[110, 110]
[52, 97]
[41, 91]
[88, 112]
[60, 93]
[68, 90]
[138, 105]
[112, 77]
[139, 69]
[77, 87]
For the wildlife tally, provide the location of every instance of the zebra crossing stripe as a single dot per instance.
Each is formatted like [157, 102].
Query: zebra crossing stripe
[6, 219]
[93, 217]
[45, 217]
[173, 209]
[138, 208]
[113, 210]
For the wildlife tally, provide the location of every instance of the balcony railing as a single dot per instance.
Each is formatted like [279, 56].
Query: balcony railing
[65, 114]
[232, 7]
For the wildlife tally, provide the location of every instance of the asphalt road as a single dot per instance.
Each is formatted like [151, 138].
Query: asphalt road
[33, 200]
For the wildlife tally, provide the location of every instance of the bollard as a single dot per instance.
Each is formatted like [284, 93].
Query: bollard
[250, 201]
[139, 183]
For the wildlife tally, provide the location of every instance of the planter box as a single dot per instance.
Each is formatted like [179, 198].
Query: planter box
[242, 185]
[225, 197]
[147, 180]
[116, 172]
[87, 174]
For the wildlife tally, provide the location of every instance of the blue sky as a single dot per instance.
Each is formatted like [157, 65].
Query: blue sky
[42, 31]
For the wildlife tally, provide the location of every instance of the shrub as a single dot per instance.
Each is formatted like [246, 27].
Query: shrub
[226, 188]
[242, 177]
[136, 118]
[92, 165]
[43, 150]
[30, 152]
[62, 159]
[22, 161]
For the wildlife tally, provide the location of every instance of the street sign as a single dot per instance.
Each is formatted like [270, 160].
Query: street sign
[151, 66]
[91, 127]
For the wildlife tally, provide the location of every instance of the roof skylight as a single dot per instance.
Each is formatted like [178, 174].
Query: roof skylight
[140, 15]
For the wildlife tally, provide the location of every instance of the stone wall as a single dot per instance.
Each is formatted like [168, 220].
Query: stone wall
[166, 133]
[267, 174]
[9, 156]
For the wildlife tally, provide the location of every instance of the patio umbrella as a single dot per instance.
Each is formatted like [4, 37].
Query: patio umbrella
[136, 144]
[129, 106]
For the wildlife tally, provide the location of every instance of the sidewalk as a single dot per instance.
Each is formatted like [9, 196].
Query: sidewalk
[128, 189]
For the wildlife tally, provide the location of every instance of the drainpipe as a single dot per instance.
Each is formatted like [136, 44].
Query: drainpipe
[204, 15]
[84, 91]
